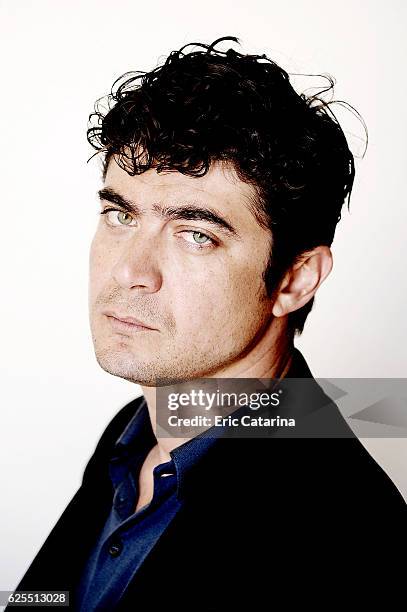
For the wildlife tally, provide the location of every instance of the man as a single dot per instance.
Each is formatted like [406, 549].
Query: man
[222, 191]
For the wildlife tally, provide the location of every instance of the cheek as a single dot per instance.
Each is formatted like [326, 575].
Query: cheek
[244, 298]
[191, 296]
[223, 298]
[98, 267]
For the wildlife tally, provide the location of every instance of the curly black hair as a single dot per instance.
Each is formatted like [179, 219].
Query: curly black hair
[210, 105]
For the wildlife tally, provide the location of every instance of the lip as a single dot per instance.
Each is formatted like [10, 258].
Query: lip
[131, 322]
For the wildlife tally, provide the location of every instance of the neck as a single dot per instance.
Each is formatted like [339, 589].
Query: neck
[270, 358]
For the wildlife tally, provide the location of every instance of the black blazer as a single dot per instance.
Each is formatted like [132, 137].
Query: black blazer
[315, 521]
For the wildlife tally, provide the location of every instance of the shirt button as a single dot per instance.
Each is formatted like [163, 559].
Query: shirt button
[116, 548]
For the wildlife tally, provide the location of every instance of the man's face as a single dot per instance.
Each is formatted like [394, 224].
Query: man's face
[197, 283]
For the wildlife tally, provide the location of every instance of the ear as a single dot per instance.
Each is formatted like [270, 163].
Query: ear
[302, 280]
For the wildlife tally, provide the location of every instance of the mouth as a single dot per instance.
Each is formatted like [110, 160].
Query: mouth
[122, 323]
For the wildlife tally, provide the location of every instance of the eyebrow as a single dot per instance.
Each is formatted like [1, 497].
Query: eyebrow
[188, 211]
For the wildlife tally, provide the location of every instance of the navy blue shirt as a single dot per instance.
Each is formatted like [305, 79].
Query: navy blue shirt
[127, 536]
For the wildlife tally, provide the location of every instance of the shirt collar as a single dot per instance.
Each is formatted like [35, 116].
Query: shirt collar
[138, 434]
[138, 438]
[187, 457]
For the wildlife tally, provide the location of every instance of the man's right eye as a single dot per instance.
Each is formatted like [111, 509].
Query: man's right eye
[123, 217]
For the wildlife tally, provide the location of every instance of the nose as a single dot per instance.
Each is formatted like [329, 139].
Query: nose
[137, 267]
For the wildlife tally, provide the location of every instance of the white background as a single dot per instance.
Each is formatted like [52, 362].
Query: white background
[57, 58]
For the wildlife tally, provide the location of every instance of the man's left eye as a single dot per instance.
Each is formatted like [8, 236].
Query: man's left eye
[199, 238]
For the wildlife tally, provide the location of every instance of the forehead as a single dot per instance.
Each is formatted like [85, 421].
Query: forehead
[220, 187]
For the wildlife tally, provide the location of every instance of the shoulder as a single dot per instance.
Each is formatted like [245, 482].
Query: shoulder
[347, 471]
[346, 479]
[359, 469]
